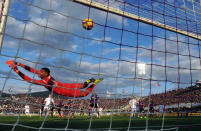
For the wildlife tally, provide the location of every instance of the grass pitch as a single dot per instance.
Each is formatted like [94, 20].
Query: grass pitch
[26, 123]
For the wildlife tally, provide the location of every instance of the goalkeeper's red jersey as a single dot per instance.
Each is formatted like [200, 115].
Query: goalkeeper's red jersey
[65, 89]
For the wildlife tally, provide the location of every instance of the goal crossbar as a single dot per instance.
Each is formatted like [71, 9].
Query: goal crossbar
[135, 17]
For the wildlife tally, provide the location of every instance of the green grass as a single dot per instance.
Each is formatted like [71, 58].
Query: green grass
[103, 123]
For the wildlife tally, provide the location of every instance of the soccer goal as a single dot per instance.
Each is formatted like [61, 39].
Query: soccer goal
[146, 51]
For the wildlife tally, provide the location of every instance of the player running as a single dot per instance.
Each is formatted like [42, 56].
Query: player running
[59, 106]
[27, 110]
[49, 105]
[64, 89]
[94, 104]
[42, 107]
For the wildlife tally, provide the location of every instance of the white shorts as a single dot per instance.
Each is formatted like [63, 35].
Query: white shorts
[133, 109]
[46, 108]
[161, 111]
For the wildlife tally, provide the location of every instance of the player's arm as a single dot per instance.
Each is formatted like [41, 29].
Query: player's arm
[11, 62]
[28, 68]
[28, 79]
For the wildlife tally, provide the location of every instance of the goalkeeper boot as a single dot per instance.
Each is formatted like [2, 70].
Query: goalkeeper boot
[90, 80]
[98, 80]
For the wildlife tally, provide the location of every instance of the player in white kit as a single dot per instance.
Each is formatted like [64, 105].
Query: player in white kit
[27, 110]
[48, 103]
[132, 104]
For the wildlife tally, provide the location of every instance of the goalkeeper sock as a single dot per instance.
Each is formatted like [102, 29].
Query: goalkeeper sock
[86, 83]
[89, 89]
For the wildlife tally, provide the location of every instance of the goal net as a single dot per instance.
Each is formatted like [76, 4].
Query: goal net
[147, 51]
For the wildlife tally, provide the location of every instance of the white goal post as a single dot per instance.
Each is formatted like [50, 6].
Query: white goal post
[4, 6]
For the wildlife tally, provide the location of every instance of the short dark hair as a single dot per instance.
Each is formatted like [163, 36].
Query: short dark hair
[46, 70]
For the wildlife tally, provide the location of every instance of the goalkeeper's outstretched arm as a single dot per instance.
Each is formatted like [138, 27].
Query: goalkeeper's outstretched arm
[28, 68]
[25, 77]
[11, 62]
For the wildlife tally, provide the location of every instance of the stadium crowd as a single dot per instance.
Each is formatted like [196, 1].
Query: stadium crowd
[186, 95]
[183, 95]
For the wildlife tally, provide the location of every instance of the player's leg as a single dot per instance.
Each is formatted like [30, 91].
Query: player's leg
[97, 111]
[77, 86]
[59, 112]
[73, 89]
[86, 92]
[74, 92]
[46, 110]
[42, 109]
[87, 82]
[131, 112]
[90, 88]
[52, 110]
[29, 114]
[134, 112]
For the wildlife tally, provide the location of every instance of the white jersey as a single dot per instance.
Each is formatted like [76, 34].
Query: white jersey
[26, 108]
[48, 101]
[133, 103]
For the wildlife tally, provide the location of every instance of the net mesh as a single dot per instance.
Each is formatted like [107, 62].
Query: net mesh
[148, 49]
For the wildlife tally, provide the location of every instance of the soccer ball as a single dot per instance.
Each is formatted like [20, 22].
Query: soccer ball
[87, 24]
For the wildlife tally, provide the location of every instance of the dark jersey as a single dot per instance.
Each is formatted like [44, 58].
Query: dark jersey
[94, 99]
[151, 106]
[60, 104]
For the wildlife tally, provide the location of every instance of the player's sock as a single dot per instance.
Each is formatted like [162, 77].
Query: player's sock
[98, 80]
[98, 115]
[85, 85]
[89, 89]
[87, 82]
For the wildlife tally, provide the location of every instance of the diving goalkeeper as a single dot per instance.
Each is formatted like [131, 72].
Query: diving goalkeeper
[64, 89]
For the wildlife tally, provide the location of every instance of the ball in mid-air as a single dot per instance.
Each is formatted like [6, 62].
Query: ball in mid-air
[87, 24]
